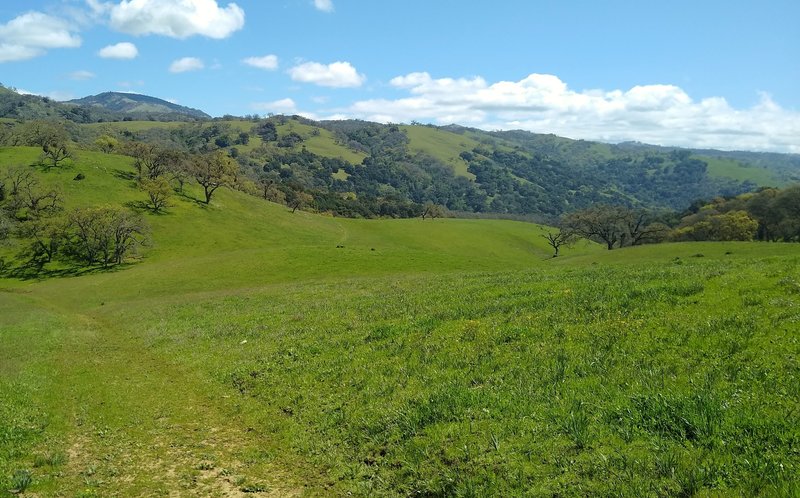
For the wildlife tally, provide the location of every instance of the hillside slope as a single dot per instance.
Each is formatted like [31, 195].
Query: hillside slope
[251, 351]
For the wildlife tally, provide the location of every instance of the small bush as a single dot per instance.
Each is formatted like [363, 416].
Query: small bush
[21, 481]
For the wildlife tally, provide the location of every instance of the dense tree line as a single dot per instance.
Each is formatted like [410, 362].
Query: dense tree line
[515, 173]
[769, 214]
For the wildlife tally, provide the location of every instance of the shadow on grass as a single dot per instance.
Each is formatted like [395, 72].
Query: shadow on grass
[33, 271]
[124, 175]
[183, 196]
[145, 207]
[46, 166]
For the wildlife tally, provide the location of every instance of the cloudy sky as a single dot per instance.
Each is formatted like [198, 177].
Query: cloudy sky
[707, 73]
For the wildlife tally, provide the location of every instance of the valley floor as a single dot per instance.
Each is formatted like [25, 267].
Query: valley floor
[662, 370]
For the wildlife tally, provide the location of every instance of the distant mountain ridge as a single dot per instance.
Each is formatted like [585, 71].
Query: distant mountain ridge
[133, 103]
[104, 107]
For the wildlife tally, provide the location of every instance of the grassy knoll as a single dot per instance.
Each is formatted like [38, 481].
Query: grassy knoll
[321, 142]
[246, 353]
[443, 145]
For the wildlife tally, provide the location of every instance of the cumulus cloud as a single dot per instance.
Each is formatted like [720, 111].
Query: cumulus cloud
[32, 34]
[268, 62]
[324, 5]
[173, 18]
[186, 64]
[124, 50]
[659, 114]
[282, 106]
[337, 74]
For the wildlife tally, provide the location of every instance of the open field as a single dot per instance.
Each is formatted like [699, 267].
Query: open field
[246, 354]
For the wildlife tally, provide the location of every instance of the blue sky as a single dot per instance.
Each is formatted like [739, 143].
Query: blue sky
[695, 73]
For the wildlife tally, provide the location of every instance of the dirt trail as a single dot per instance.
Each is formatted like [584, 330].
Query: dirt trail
[133, 424]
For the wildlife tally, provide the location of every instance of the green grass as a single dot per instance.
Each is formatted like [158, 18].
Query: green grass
[322, 144]
[247, 352]
[443, 145]
[728, 168]
[135, 126]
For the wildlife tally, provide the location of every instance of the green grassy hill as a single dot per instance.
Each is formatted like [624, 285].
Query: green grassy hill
[255, 351]
[443, 145]
[736, 170]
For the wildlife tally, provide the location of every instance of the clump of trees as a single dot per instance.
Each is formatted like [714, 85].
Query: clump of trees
[614, 226]
[159, 167]
[768, 215]
[34, 215]
[104, 235]
[52, 137]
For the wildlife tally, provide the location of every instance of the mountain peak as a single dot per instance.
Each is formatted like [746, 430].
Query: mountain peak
[134, 103]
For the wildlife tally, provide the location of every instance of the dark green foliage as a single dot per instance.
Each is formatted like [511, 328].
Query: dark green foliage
[290, 140]
[768, 215]
[266, 131]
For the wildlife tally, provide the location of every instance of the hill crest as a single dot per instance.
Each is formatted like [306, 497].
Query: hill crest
[134, 103]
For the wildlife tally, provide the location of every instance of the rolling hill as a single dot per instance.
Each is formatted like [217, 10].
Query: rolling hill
[250, 351]
[356, 168]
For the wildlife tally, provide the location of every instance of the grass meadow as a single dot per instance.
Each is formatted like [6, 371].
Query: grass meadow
[244, 354]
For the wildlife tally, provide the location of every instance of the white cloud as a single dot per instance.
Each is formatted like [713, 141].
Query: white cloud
[124, 50]
[324, 5]
[174, 18]
[283, 106]
[98, 8]
[32, 34]
[658, 114]
[268, 62]
[81, 75]
[186, 64]
[11, 52]
[337, 74]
